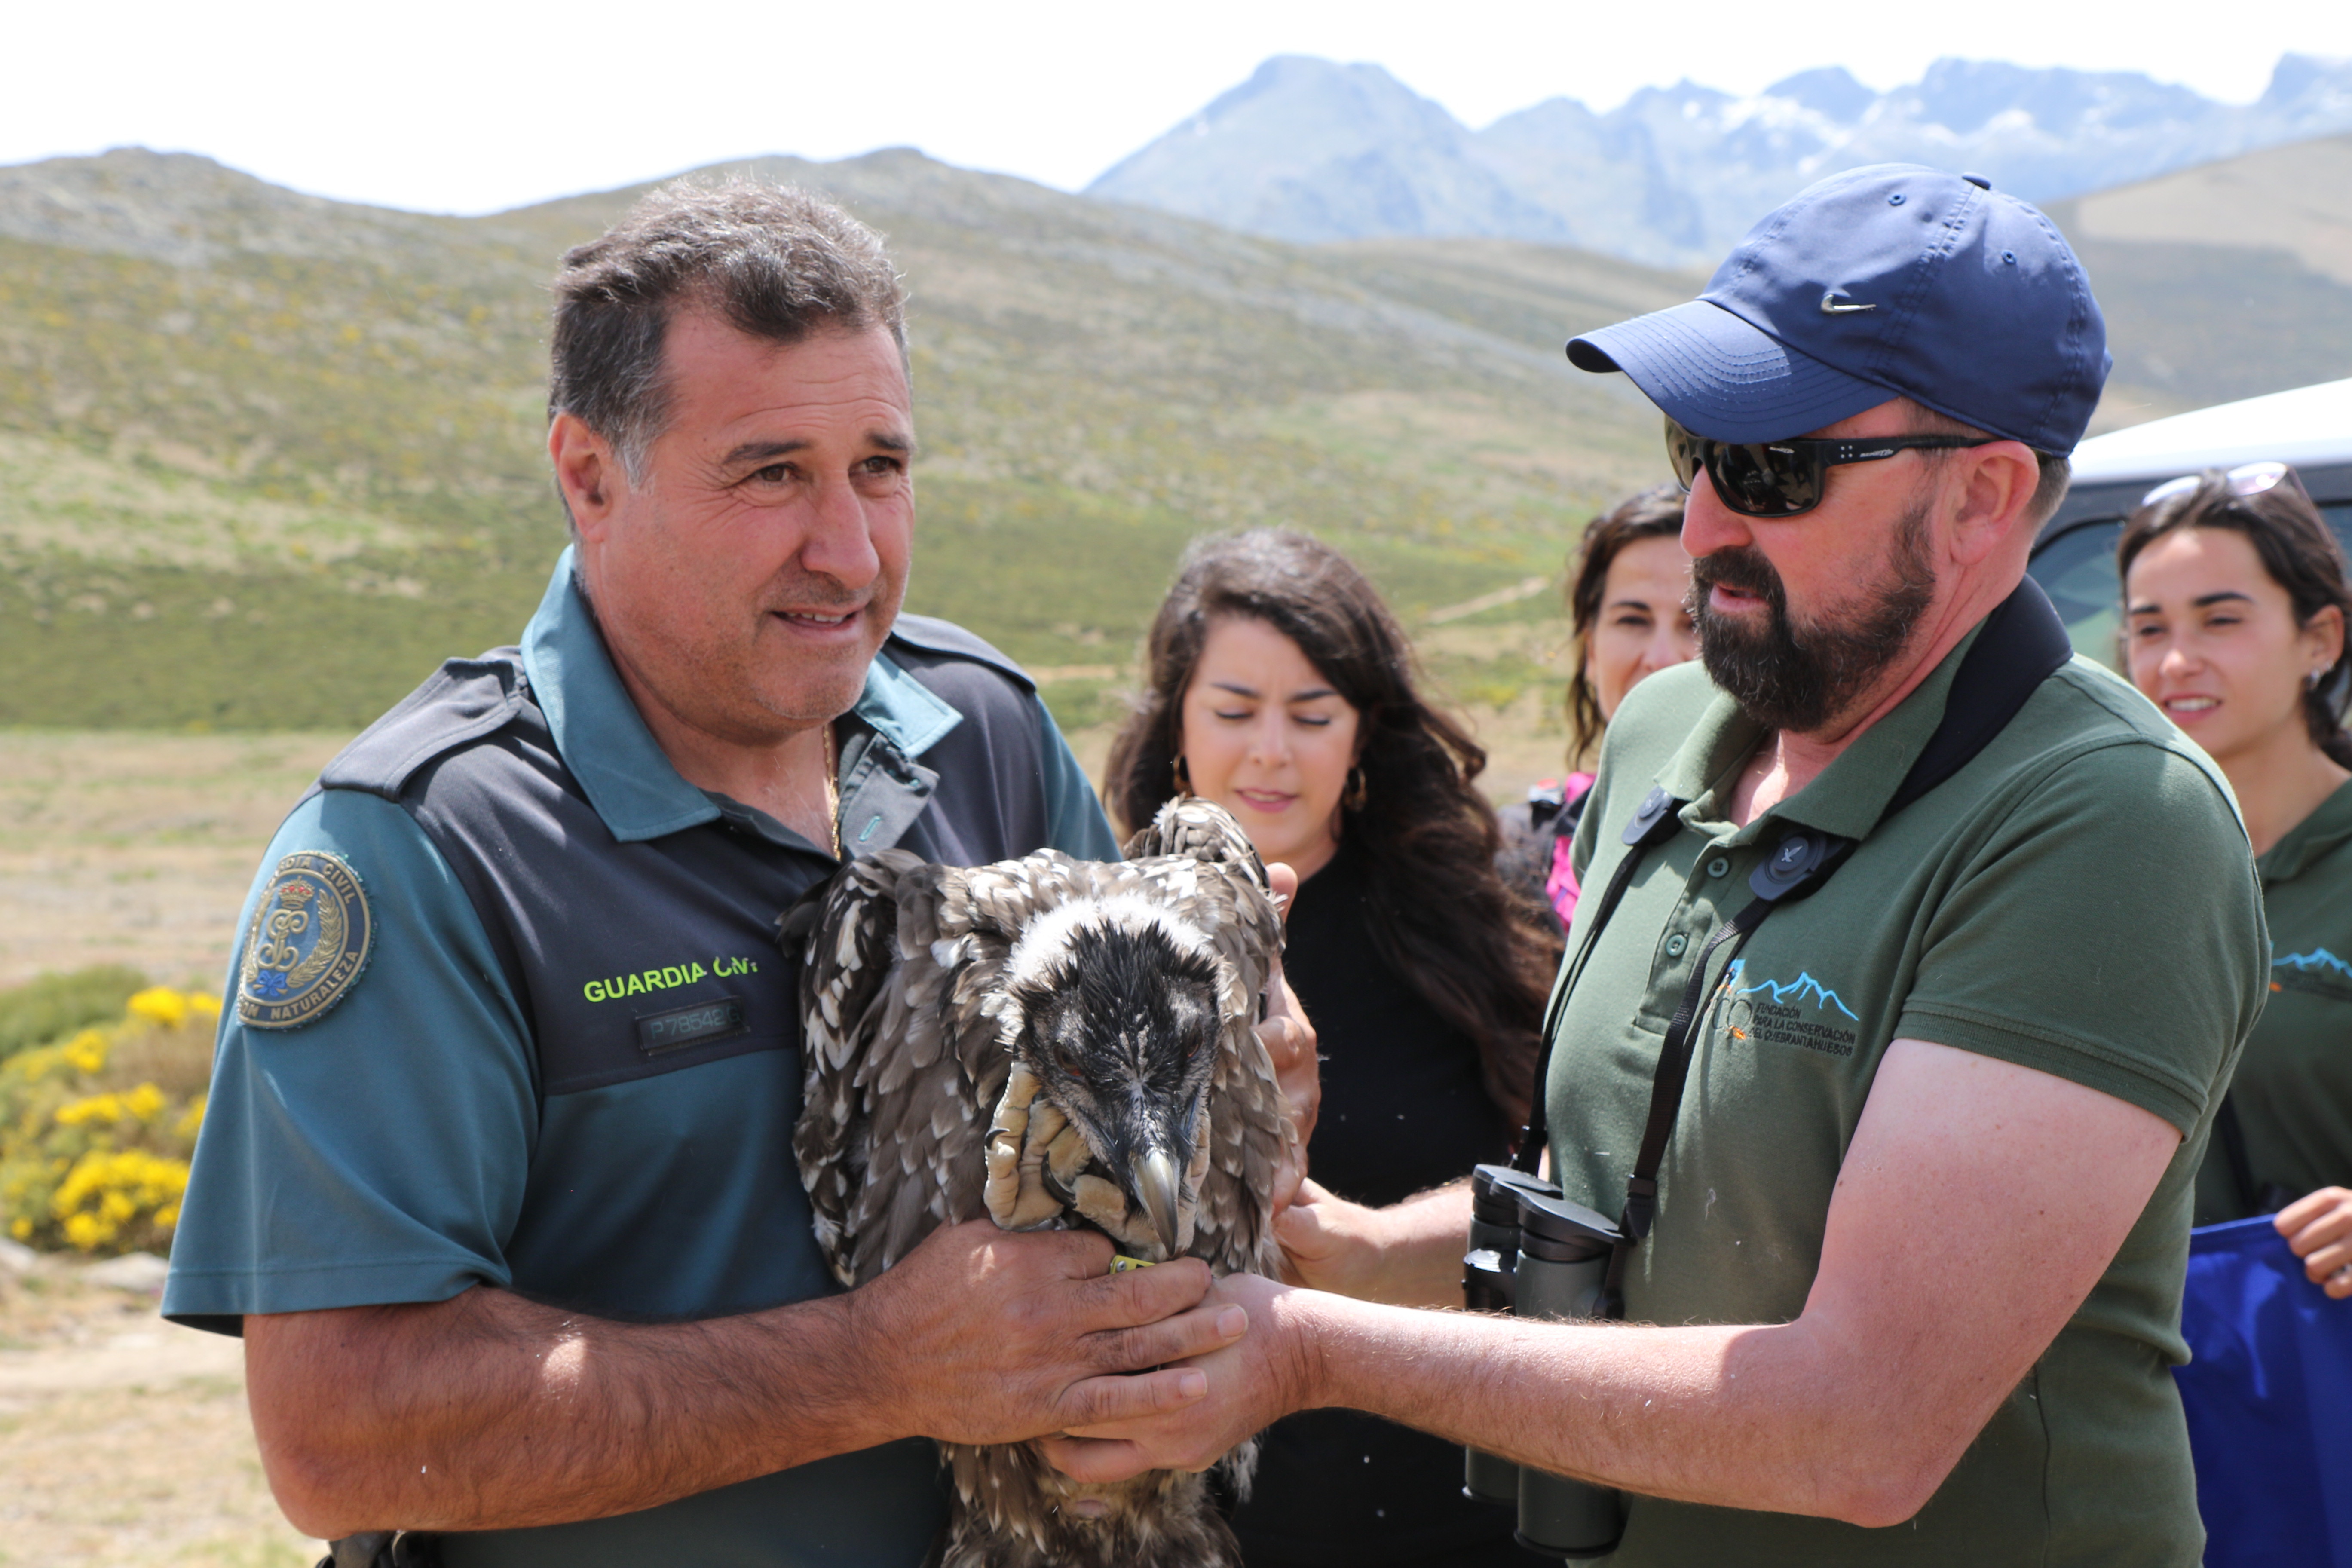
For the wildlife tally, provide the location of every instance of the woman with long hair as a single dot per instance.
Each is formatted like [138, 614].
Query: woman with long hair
[1626, 609]
[1281, 688]
[2234, 607]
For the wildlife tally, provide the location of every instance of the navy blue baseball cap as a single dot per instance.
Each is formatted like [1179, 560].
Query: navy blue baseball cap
[1890, 280]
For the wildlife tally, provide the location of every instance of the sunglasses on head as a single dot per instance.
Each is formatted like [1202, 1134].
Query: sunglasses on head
[2247, 480]
[1782, 478]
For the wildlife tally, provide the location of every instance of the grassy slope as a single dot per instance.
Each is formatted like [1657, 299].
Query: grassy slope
[265, 458]
[2222, 281]
[271, 457]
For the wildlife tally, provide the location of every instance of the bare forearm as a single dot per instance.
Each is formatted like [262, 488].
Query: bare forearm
[1407, 1255]
[1423, 1240]
[489, 1411]
[1977, 1206]
[1752, 1418]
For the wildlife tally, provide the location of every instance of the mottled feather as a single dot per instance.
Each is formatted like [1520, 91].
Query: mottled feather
[903, 989]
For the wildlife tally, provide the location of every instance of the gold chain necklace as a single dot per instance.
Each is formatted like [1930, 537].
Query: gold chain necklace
[832, 793]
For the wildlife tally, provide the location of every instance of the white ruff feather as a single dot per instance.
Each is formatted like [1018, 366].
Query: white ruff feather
[1048, 936]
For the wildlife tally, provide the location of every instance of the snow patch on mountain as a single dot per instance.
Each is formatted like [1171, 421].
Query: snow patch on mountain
[1310, 150]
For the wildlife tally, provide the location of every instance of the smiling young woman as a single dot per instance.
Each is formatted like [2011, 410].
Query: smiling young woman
[1282, 689]
[2235, 602]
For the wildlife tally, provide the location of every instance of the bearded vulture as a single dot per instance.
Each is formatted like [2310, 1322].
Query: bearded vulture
[1053, 1042]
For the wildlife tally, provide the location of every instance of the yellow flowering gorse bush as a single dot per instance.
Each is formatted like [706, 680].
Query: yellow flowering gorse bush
[93, 1151]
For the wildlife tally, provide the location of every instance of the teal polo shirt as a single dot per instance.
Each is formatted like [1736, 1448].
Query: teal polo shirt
[567, 1061]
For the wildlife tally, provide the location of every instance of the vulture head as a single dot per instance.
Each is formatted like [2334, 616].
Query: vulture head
[1114, 1011]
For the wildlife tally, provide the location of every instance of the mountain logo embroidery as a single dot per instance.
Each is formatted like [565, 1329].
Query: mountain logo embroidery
[1804, 987]
[1800, 1011]
[2318, 971]
[307, 943]
[2318, 958]
[1833, 306]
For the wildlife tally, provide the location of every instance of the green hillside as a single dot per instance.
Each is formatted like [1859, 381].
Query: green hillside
[263, 458]
[266, 458]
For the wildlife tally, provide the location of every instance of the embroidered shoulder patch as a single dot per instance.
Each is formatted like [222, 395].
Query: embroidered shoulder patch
[307, 943]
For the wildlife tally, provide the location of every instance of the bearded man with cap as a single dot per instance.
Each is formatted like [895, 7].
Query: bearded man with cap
[1904, 1170]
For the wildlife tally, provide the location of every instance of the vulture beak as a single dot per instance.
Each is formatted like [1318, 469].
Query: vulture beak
[1157, 1183]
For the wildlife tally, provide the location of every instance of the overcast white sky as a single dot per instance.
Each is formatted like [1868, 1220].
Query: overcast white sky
[475, 107]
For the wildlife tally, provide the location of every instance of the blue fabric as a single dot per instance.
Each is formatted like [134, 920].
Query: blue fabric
[2269, 1400]
[1723, 378]
[1895, 279]
[295, 1203]
[1079, 828]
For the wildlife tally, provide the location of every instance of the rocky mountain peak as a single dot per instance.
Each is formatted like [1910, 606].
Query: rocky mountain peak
[1829, 91]
[1310, 150]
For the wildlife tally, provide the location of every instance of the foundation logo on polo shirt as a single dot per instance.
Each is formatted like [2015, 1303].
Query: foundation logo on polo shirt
[2318, 971]
[1800, 1011]
[308, 942]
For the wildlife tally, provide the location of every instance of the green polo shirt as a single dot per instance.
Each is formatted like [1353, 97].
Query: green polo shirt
[2080, 900]
[2294, 1086]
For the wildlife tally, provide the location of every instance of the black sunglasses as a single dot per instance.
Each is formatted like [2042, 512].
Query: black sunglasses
[1782, 478]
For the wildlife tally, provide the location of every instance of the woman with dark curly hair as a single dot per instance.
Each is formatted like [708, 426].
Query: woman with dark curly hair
[1625, 605]
[2234, 609]
[1281, 688]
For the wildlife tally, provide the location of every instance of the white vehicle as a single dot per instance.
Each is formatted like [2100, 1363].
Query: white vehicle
[2309, 428]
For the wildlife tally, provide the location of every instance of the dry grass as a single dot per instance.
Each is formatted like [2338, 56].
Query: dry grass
[124, 1439]
[121, 848]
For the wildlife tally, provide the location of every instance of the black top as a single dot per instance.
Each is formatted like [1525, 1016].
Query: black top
[1403, 1110]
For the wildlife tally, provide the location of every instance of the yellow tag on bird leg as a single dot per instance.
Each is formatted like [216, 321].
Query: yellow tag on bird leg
[1120, 1263]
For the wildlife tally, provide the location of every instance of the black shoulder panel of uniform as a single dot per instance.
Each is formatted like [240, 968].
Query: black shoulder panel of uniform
[928, 634]
[464, 701]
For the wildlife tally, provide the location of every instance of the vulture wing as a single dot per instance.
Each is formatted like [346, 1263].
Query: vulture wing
[895, 1009]
[902, 998]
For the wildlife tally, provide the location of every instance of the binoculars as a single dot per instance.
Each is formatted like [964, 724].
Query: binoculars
[1534, 1255]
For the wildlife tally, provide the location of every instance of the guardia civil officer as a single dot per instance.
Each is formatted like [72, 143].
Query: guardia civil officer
[1907, 1229]
[497, 1178]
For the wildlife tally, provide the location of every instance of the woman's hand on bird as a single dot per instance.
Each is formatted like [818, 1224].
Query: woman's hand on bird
[1289, 1042]
[1408, 1255]
[2318, 1229]
[1329, 1243]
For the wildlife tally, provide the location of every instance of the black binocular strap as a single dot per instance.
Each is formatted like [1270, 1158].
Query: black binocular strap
[1809, 859]
[2021, 644]
[1654, 823]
